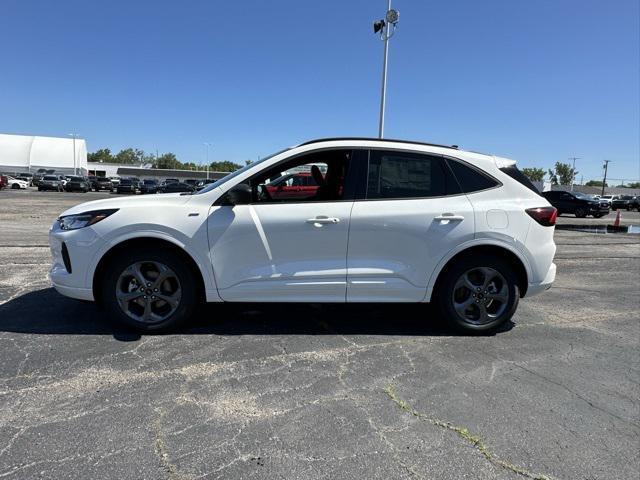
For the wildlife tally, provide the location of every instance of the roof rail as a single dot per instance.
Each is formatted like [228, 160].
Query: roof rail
[329, 139]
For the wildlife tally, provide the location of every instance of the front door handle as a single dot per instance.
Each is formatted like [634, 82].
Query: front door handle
[450, 216]
[321, 220]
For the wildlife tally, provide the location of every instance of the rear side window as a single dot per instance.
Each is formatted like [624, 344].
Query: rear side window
[408, 175]
[520, 177]
[470, 179]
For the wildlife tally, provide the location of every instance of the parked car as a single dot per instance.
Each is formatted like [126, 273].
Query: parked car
[607, 198]
[422, 223]
[204, 183]
[3, 181]
[115, 181]
[101, 183]
[175, 187]
[16, 183]
[149, 185]
[294, 185]
[50, 182]
[576, 203]
[78, 184]
[27, 177]
[623, 202]
[635, 203]
[127, 185]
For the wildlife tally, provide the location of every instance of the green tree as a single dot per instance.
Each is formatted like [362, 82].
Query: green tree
[129, 156]
[563, 174]
[534, 174]
[167, 161]
[595, 183]
[633, 185]
[224, 166]
[102, 155]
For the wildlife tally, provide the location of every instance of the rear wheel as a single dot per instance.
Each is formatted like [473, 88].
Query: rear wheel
[478, 294]
[580, 212]
[151, 291]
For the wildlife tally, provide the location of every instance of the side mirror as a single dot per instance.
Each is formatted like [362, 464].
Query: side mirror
[239, 195]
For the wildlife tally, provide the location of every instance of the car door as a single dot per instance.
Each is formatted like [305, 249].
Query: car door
[281, 248]
[414, 213]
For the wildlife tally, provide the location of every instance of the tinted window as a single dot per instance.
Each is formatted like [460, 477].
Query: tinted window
[125, 181]
[50, 177]
[470, 179]
[408, 175]
[520, 177]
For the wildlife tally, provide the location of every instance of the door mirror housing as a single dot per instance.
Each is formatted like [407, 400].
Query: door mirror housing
[241, 194]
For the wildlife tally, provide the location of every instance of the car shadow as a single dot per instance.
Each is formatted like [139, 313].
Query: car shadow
[46, 312]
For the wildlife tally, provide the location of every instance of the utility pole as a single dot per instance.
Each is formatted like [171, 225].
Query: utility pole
[573, 171]
[604, 181]
[386, 27]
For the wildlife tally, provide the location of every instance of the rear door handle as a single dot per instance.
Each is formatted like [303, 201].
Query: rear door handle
[450, 216]
[321, 220]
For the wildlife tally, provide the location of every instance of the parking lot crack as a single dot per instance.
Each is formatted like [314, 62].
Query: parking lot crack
[474, 440]
[162, 451]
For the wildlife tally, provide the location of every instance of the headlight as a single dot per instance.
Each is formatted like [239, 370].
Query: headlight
[81, 220]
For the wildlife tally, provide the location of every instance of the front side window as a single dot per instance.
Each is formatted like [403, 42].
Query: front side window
[408, 175]
[314, 177]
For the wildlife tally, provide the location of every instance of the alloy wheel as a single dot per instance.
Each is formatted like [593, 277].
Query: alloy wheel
[148, 291]
[480, 295]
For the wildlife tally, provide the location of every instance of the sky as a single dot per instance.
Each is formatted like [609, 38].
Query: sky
[537, 81]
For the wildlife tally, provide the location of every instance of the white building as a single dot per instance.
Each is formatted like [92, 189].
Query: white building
[27, 153]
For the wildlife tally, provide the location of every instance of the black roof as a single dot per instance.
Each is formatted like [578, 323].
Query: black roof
[332, 139]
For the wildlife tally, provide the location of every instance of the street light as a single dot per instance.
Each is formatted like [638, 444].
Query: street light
[573, 170]
[74, 136]
[386, 28]
[207, 144]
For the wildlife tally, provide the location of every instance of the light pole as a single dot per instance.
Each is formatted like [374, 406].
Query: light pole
[386, 27]
[74, 136]
[604, 181]
[573, 170]
[207, 144]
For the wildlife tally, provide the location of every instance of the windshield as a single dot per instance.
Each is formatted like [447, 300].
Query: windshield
[50, 177]
[226, 178]
[582, 195]
[126, 181]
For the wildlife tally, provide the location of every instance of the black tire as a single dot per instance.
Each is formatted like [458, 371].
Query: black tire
[580, 212]
[598, 215]
[188, 296]
[447, 290]
[15, 186]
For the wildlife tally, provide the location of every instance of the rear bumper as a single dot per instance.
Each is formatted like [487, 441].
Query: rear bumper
[539, 287]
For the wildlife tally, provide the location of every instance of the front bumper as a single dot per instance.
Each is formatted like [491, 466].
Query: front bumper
[82, 245]
[539, 287]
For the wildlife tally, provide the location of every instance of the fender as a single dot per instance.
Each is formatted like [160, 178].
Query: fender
[203, 263]
[477, 242]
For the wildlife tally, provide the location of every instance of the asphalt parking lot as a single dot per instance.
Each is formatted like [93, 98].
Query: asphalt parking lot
[310, 392]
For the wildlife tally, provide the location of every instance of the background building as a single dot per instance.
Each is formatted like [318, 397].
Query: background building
[28, 153]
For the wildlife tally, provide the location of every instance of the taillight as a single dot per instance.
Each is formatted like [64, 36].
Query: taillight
[545, 216]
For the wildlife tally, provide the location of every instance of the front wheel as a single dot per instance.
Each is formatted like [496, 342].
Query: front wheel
[152, 291]
[15, 186]
[478, 294]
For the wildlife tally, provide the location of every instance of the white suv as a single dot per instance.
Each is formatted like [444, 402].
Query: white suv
[376, 221]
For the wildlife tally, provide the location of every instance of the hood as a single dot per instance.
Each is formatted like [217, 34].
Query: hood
[157, 201]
